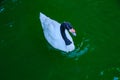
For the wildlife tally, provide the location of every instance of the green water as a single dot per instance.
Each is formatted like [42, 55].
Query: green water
[26, 55]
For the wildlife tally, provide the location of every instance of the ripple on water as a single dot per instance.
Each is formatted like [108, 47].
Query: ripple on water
[78, 52]
[113, 73]
[81, 49]
[2, 9]
[115, 78]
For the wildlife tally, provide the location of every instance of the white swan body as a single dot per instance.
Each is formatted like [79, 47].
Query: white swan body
[51, 29]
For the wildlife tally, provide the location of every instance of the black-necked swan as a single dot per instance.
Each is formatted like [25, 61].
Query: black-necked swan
[57, 34]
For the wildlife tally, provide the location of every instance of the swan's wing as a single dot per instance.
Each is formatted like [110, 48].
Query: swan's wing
[48, 21]
[49, 24]
[51, 29]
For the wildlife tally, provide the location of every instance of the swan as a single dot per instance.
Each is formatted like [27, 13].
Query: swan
[57, 34]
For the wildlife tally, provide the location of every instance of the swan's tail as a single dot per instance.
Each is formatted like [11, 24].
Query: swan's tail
[42, 18]
[46, 21]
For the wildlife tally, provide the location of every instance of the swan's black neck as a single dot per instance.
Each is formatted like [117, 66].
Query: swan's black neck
[65, 25]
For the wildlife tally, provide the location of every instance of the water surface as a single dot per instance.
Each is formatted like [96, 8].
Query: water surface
[26, 55]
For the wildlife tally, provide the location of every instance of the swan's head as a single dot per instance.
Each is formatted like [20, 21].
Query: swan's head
[69, 27]
[72, 31]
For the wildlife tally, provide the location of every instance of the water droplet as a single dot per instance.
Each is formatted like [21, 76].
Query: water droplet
[102, 73]
[118, 69]
[115, 78]
[2, 9]
[11, 25]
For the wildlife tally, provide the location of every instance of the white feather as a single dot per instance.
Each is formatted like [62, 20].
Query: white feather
[51, 29]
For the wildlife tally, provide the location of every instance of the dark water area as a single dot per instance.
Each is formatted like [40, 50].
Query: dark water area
[26, 55]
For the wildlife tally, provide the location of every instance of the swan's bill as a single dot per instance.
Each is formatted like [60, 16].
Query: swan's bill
[73, 32]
